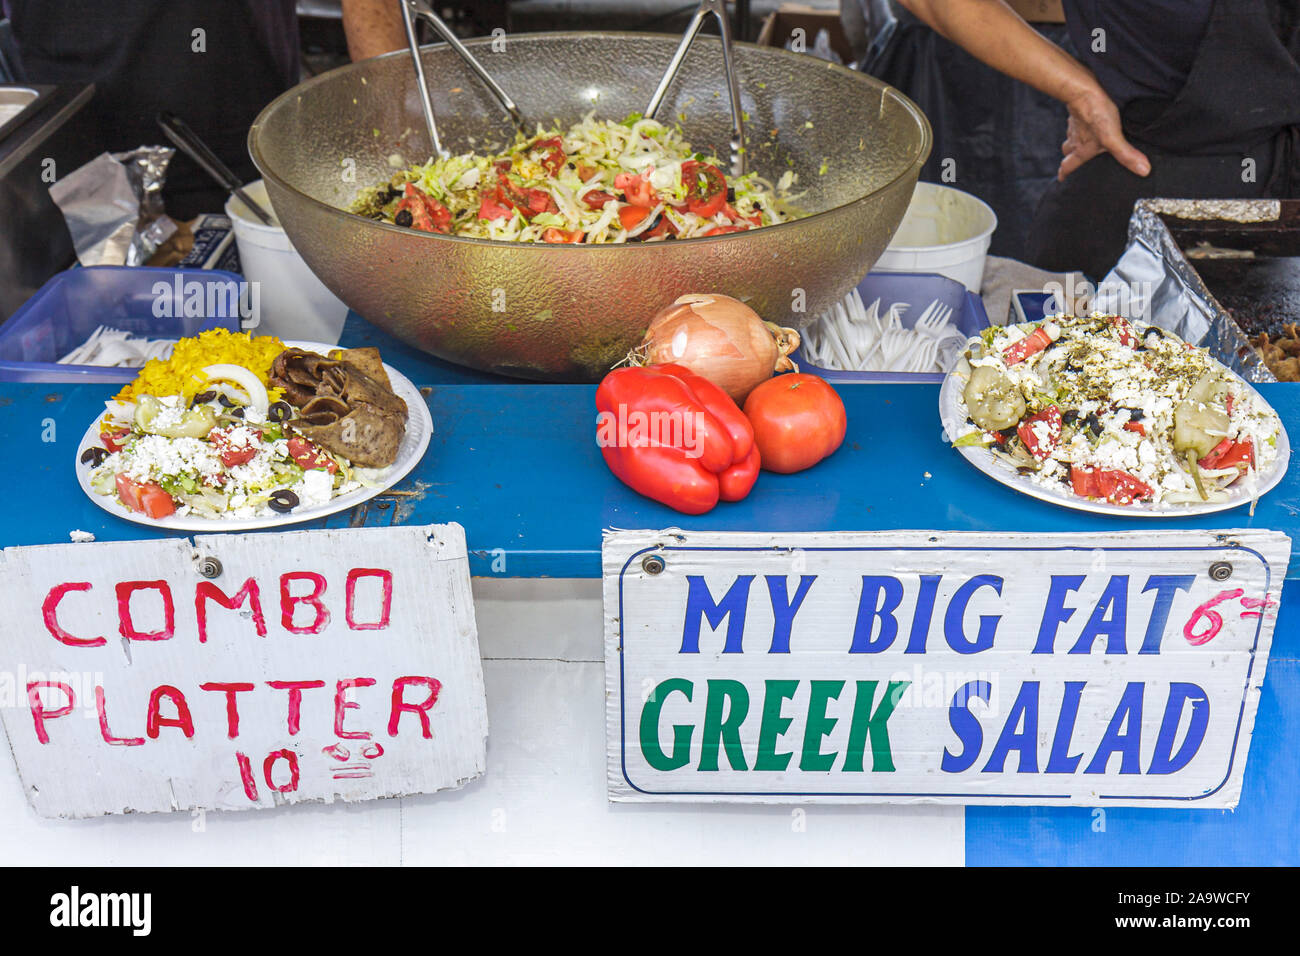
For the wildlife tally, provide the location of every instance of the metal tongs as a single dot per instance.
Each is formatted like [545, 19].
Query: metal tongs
[419, 8]
[719, 10]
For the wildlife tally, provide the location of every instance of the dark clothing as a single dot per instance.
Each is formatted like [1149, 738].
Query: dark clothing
[145, 56]
[1147, 46]
[1232, 131]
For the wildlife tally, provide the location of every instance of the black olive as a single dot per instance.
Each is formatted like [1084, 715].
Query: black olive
[404, 217]
[226, 402]
[279, 412]
[393, 193]
[95, 456]
[283, 501]
[1134, 414]
[236, 413]
[1093, 424]
[731, 194]
[203, 398]
[1070, 417]
[645, 234]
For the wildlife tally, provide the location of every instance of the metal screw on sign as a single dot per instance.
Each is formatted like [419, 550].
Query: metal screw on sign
[653, 564]
[1221, 570]
[209, 567]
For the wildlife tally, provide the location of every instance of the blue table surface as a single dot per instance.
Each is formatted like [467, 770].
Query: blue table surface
[517, 466]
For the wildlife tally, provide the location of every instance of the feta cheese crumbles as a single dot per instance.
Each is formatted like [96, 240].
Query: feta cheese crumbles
[1110, 411]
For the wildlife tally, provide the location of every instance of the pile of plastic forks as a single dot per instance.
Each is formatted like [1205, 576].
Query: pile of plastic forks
[860, 338]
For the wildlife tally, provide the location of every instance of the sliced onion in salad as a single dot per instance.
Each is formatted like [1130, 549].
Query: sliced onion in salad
[250, 383]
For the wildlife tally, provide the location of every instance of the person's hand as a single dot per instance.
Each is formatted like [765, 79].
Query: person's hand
[1094, 128]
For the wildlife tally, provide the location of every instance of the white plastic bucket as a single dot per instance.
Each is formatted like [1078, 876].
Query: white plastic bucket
[945, 231]
[294, 304]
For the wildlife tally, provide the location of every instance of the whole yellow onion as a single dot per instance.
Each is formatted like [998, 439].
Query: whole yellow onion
[721, 339]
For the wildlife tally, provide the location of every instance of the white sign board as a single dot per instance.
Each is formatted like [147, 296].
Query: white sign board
[314, 666]
[925, 667]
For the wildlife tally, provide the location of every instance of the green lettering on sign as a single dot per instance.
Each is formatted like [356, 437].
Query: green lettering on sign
[718, 731]
[819, 725]
[867, 723]
[774, 725]
[650, 748]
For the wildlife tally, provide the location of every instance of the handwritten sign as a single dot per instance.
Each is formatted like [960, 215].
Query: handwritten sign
[908, 667]
[241, 671]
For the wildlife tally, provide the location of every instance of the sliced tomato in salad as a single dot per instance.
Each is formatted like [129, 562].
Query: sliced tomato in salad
[492, 205]
[599, 199]
[1117, 487]
[555, 234]
[706, 188]
[636, 190]
[723, 230]
[529, 202]
[307, 456]
[144, 496]
[554, 157]
[233, 453]
[631, 216]
[427, 214]
[1229, 453]
[732, 213]
[1041, 432]
[116, 440]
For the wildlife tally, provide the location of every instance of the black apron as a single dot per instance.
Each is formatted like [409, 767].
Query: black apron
[1241, 102]
[215, 63]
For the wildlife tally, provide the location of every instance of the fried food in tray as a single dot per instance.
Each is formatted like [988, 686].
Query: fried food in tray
[1281, 352]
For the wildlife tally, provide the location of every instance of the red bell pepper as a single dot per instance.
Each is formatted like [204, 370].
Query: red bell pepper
[1117, 487]
[675, 437]
[554, 158]
[1031, 344]
[1041, 442]
[1228, 453]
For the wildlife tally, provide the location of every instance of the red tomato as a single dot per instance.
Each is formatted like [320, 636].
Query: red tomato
[528, 201]
[734, 215]
[145, 497]
[554, 157]
[427, 214]
[491, 205]
[1121, 488]
[706, 188]
[723, 230]
[598, 199]
[552, 234]
[307, 456]
[232, 454]
[1136, 427]
[636, 190]
[1084, 482]
[798, 420]
[1229, 453]
[1041, 448]
[116, 441]
[631, 216]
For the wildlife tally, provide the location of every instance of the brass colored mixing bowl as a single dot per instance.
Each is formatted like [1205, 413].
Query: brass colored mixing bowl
[569, 312]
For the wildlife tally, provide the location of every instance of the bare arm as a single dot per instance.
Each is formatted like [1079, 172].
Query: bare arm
[373, 27]
[995, 34]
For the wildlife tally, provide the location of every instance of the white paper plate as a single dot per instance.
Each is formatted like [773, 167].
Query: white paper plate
[419, 429]
[954, 423]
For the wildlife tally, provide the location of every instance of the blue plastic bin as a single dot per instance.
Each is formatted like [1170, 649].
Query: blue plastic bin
[918, 290]
[66, 310]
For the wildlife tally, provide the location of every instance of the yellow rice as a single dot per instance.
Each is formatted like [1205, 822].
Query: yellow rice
[181, 373]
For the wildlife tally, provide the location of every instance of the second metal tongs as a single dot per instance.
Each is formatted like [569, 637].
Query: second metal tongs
[419, 8]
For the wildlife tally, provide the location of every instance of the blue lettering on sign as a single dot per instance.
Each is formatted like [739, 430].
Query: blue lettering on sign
[1061, 760]
[880, 599]
[1024, 741]
[1123, 734]
[1055, 613]
[1165, 586]
[954, 619]
[1109, 619]
[1163, 760]
[784, 609]
[924, 613]
[966, 725]
[700, 603]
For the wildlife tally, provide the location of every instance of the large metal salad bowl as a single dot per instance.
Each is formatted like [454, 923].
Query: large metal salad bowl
[569, 312]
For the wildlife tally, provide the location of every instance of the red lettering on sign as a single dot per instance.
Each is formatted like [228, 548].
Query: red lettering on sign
[103, 725]
[232, 707]
[155, 719]
[421, 709]
[295, 689]
[288, 602]
[39, 713]
[1256, 603]
[50, 610]
[342, 705]
[207, 591]
[385, 608]
[124, 625]
[246, 776]
[269, 764]
[1214, 619]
